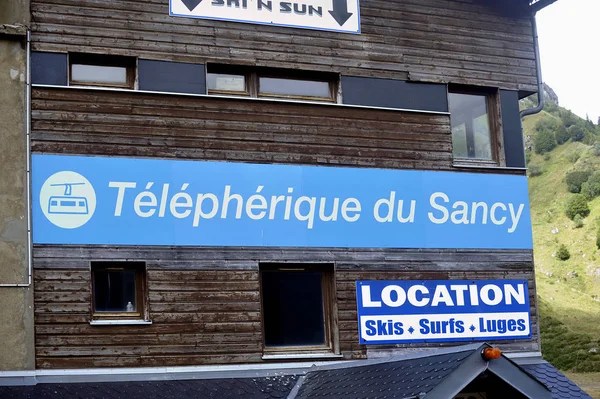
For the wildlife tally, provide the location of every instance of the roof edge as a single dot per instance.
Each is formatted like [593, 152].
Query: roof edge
[462, 376]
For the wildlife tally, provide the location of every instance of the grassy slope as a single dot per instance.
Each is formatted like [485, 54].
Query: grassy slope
[569, 305]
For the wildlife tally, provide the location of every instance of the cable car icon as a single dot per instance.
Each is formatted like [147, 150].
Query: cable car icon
[67, 204]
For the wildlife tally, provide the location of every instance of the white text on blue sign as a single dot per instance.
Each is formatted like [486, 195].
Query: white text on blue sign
[100, 200]
[430, 311]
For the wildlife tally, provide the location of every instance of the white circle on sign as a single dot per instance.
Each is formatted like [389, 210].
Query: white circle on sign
[68, 199]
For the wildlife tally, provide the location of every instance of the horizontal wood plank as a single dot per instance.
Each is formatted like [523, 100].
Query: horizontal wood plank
[208, 128]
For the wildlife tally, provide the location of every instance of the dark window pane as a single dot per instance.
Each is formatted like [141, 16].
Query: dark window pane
[114, 291]
[226, 82]
[471, 136]
[98, 74]
[291, 87]
[293, 308]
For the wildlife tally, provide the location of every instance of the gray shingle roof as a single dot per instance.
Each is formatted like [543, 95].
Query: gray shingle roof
[559, 384]
[401, 379]
[225, 388]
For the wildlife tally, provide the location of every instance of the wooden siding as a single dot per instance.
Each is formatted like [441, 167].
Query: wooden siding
[95, 122]
[446, 41]
[205, 302]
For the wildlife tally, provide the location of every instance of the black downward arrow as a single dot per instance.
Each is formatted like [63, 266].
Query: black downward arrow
[191, 4]
[340, 11]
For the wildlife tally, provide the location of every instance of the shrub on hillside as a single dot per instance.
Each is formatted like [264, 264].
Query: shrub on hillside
[577, 133]
[551, 107]
[563, 252]
[568, 118]
[576, 178]
[545, 124]
[577, 205]
[535, 170]
[596, 149]
[591, 188]
[590, 138]
[544, 141]
[598, 239]
[578, 220]
[573, 156]
[562, 135]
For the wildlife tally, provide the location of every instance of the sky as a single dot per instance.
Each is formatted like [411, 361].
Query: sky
[569, 37]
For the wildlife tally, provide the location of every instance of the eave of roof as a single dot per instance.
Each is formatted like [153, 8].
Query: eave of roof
[536, 5]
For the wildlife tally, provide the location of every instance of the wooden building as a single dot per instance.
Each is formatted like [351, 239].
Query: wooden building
[428, 86]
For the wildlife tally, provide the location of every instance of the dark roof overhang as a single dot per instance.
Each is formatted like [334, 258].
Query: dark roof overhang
[536, 5]
[518, 8]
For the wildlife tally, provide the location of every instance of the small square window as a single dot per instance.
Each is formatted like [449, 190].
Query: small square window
[101, 70]
[474, 117]
[297, 303]
[118, 290]
[223, 82]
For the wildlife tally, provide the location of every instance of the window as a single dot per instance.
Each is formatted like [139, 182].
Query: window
[274, 83]
[101, 70]
[118, 290]
[297, 303]
[285, 87]
[475, 126]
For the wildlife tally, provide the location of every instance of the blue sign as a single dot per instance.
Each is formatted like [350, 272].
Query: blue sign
[129, 201]
[393, 312]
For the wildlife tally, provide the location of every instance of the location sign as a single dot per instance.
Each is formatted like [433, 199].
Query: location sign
[393, 312]
[331, 15]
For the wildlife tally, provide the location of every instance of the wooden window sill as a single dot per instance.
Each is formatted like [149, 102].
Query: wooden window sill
[485, 166]
[119, 322]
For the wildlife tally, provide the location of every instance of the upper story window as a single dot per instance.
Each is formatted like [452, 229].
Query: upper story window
[101, 70]
[474, 118]
[274, 83]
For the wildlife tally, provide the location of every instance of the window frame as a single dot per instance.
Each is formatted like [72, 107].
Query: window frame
[103, 60]
[141, 291]
[331, 345]
[252, 77]
[232, 70]
[494, 113]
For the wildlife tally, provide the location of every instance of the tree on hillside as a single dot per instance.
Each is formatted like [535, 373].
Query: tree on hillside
[545, 124]
[588, 122]
[576, 178]
[577, 205]
[591, 188]
[577, 133]
[598, 121]
[568, 118]
[562, 134]
[544, 141]
[563, 252]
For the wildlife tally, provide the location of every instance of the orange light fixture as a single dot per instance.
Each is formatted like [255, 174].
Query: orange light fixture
[491, 353]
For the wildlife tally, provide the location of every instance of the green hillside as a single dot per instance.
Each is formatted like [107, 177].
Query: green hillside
[568, 290]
